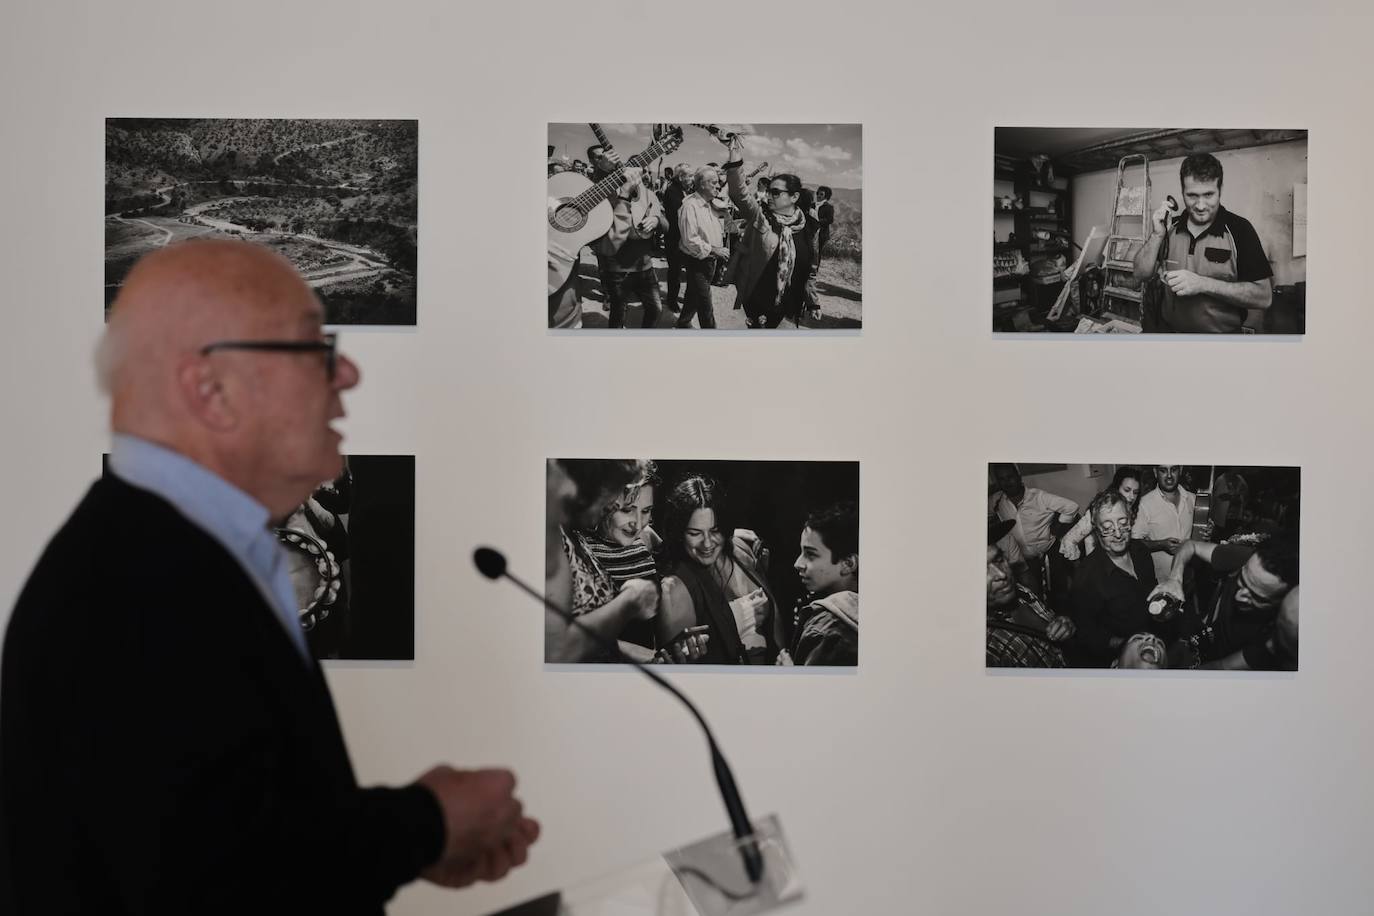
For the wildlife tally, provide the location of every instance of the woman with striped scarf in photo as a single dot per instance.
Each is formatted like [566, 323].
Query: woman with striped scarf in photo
[619, 539]
[623, 545]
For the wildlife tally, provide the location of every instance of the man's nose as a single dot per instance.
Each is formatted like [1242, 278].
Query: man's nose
[346, 373]
[800, 563]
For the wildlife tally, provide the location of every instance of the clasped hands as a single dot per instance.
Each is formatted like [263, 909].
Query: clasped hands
[486, 833]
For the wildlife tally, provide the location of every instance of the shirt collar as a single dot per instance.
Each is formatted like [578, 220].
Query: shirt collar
[206, 499]
[1217, 227]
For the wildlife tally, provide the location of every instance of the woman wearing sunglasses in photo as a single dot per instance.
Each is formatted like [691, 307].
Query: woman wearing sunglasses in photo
[772, 265]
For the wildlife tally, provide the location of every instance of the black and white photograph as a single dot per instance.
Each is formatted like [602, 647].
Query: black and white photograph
[1147, 566]
[336, 197]
[706, 563]
[706, 226]
[1100, 230]
[351, 556]
[350, 553]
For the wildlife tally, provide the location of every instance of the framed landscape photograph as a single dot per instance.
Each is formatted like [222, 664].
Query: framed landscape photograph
[336, 197]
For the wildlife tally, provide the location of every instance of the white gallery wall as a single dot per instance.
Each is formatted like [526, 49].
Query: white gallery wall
[919, 783]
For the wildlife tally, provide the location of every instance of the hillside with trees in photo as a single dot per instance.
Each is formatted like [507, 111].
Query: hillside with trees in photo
[337, 197]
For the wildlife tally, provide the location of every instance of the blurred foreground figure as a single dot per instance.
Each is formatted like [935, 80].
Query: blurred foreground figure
[167, 744]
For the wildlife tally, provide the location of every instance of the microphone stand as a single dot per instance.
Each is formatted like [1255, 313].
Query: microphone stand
[492, 564]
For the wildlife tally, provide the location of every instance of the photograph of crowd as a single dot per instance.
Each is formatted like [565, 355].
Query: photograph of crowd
[703, 562]
[714, 226]
[1149, 230]
[336, 197]
[1143, 566]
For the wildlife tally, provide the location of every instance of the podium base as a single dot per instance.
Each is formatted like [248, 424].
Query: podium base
[705, 878]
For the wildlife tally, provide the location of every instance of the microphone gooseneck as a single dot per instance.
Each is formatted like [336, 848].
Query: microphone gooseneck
[492, 564]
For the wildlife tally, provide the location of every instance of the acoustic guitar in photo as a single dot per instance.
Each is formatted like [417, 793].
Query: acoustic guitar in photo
[580, 210]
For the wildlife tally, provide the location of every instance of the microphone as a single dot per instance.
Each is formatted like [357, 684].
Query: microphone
[492, 564]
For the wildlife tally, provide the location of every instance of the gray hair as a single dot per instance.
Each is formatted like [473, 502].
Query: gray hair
[1107, 499]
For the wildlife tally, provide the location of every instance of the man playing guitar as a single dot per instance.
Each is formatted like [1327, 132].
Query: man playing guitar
[602, 214]
[628, 267]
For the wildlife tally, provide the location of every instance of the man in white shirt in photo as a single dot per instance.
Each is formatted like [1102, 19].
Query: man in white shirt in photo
[1041, 517]
[702, 242]
[1165, 518]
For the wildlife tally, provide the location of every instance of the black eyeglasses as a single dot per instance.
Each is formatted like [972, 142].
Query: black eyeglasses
[774, 192]
[329, 346]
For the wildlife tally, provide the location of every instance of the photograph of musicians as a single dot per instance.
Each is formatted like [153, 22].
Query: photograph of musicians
[825, 624]
[673, 196]
[1041, 517]
[626, 265]
[1239, 623]
[168, 745]
[702, 242]
[1022, 632]
[825, 215]
[1217, 268]
[1112, 585]
[777, 249]
[1164, 518]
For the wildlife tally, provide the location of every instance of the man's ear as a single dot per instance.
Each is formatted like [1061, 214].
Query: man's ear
[850, 565]
[203, 394]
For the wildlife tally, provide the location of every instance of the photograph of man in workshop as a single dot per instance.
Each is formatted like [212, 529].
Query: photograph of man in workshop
[1143, 566]
[1149, 230]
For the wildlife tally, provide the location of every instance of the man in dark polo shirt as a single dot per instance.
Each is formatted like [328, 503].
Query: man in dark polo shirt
[1238, 629]
[1216, 268]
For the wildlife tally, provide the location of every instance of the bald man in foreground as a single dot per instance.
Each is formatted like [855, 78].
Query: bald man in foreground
[167, 745]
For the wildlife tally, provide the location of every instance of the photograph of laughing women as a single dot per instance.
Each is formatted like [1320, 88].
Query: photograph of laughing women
[1143, 566]
[703, 562]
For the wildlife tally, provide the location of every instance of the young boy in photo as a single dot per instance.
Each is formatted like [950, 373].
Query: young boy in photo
[826, 622]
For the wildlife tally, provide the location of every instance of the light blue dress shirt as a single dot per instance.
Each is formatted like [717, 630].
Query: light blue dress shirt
[233, 518]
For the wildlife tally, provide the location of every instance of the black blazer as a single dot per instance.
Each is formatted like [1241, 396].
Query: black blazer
[165, 749]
